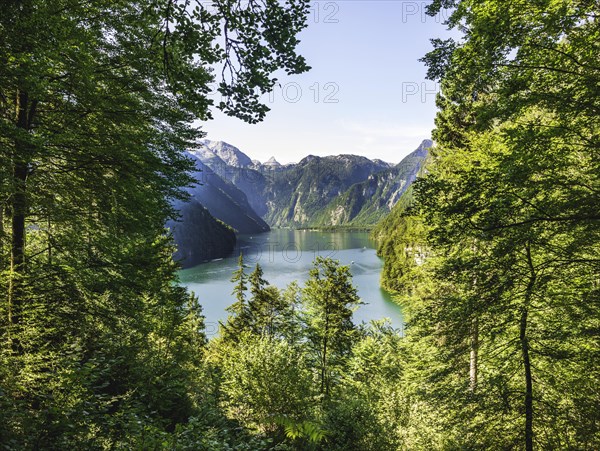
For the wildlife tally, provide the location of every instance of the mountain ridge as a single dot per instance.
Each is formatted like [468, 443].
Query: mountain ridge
[319, 191]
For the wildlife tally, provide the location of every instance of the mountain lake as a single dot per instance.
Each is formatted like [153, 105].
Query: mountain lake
[287, 255]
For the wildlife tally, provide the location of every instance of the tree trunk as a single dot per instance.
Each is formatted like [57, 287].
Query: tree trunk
[18, 207]
[1, 227]
[474, 343]
[525, 353]
[528, 383]
[324, 384]
[474, 355]
[17, 250]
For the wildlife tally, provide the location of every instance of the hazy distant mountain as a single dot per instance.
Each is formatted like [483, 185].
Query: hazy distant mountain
[272, 163]
[249, 180]
[248, 196]
[207, 156]
[228, 153]
[216, 208]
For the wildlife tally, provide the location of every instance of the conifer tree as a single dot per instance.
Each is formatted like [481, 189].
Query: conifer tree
[240, 319]
[267, 306]
[330, 298]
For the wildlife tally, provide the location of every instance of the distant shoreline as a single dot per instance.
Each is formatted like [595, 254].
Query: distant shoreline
[336, 228]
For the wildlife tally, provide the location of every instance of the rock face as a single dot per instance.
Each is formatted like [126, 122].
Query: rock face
[216, 210]
[228, 153]
[272, 163]
[296, 196]
[199, 236]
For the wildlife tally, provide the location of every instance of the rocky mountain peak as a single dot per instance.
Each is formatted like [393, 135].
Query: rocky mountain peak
[307, 159]
[425, 145]
[272, 162]
[228, 153]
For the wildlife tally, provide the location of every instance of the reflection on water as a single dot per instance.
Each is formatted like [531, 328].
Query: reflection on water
[287, 255]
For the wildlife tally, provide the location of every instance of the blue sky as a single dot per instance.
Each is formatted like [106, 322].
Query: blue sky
[366, 93]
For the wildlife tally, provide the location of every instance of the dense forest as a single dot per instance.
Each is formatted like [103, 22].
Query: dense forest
[493, 252]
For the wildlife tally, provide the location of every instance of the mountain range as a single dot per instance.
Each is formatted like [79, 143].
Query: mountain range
[249, 197]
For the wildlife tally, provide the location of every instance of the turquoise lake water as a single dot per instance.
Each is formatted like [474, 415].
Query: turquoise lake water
[286, 255]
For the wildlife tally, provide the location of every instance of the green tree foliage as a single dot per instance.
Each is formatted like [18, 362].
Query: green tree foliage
[98, 345]
[370, 410]
[267, 311]
[273, 312]
[401, 242]
[239, 320]
[240, 281]
[291, 318]
[330, 299]
[265, 379]
[494, 254]
[286, 376]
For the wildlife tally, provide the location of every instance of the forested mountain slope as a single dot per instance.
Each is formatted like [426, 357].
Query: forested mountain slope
[367, 202]
[296, 196]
